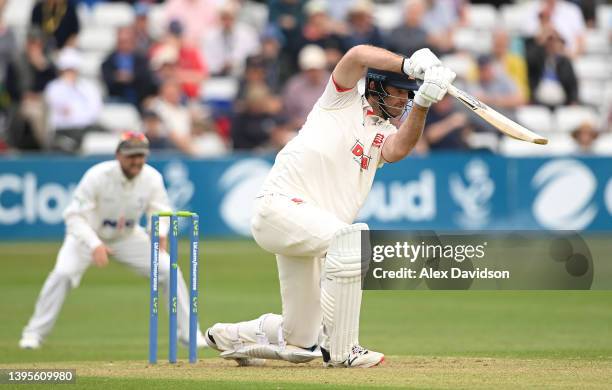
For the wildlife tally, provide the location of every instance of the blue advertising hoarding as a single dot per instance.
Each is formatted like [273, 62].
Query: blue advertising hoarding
[441, 191]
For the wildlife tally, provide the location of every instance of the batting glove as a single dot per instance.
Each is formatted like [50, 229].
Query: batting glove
[419, 62]
[435, 84]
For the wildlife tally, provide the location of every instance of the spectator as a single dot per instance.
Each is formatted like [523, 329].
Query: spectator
[411, 35]
[318, 30]
[141, 27]
[552, 80]
[36, 70]
[175, 117]
[164, 64]
[303, 89]
[7, 41]
[73, 103]
[447, 126]
[513, 64]
[287, 15]
[562, 16]
[441, 18]
[361, 29]
[495, 87]
[254, 75]
[274, 62]
[204, 135]
[190, 67]
[153, 129]
[126, 72]
[198, 17]
[228, 46]
[260, 126]
[58, 21]
[585, 135]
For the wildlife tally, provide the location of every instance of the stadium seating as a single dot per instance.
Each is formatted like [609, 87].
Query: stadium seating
[97, 39]
[473, 40]
[603, 145]
[98, 143]
[112, 14]
[118, 117]
[536, 118]
[559, 145]
[590, 67]
[461, 64]
[482, 16]
[568, 118]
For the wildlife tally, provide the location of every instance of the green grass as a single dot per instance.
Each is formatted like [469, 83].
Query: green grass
[106, 320]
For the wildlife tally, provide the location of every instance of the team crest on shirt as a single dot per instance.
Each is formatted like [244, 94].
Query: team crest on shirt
[359, 155]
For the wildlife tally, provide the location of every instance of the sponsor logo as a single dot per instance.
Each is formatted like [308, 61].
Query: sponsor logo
[23, 199]
[359, 156]
[397, 201]
[122, 223]
[565, 195]
[241, 182]
[472, 192]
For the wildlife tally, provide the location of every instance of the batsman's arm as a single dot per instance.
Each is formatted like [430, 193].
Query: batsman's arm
[351, 68]
[400, 144]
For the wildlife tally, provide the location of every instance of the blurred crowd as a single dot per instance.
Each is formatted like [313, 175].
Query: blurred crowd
[206, 77]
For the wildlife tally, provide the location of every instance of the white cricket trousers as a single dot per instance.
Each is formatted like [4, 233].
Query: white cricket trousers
[73, 260]
[299, 234]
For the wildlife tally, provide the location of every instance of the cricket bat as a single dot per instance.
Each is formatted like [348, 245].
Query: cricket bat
[502, 123]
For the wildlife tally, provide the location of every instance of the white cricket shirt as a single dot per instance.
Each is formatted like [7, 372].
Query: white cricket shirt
[333, 160]
[107, 206]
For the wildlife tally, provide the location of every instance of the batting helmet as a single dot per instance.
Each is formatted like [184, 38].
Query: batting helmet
[382, 79]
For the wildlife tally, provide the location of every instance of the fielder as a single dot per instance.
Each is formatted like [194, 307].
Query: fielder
[306, 208]
[101, 220]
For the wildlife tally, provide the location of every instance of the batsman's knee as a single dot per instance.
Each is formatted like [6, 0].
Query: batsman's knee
[344, 254]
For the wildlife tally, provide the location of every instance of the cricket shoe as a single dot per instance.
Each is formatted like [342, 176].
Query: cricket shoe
[30, 342]
[200, 341]
[358, 357]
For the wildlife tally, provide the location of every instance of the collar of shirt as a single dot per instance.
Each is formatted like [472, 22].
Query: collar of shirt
[369, 117]
[125, 182]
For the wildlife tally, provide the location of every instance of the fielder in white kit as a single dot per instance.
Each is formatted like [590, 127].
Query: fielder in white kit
[307, 206]
[102, 219]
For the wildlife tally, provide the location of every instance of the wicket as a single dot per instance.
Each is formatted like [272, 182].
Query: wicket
[173, 284]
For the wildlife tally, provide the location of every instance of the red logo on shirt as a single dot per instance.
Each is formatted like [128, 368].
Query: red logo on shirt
[362, 159]
[357, 149]
[378, 140]
[365, 162]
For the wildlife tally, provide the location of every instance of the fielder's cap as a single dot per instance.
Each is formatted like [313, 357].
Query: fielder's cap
[69, 58]
[393, 79]
[133, 143]
[312, 57]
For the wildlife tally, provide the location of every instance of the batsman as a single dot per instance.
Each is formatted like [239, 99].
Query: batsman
[306, 209]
